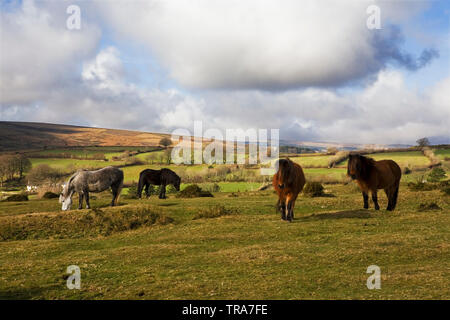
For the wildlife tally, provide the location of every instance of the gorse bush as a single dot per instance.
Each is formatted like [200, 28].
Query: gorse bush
[50, 195]
[313, 189]
[193, 191]
[436, 174]
[17, 198]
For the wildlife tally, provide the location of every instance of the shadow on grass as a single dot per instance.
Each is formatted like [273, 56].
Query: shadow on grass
[26, 293]
[359, 214]
[168, 204]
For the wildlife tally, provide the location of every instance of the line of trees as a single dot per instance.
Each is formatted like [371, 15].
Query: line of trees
[12, 166]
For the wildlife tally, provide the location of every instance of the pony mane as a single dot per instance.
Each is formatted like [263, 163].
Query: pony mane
[287, 174]
[67, 186]
[367, 164]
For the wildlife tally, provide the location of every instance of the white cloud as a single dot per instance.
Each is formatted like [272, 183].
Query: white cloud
[263, 44]
[54, 75]
[38, 53]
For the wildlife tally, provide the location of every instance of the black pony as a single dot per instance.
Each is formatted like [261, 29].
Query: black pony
[161, 178]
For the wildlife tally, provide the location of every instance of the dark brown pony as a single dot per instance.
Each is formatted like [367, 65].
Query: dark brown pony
[372, 175]
[161, 178]
[288, 182]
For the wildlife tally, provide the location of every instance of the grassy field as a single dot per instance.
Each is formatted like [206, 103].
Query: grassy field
[250, 254]
[312, 160]
[169, 249]
[404, 159]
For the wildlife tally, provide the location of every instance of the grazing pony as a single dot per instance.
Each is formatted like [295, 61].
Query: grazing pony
[371, 175]
[288, 182]
[161, 178]
[84, 181]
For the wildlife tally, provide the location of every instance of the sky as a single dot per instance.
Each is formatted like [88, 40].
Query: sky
[312, 68]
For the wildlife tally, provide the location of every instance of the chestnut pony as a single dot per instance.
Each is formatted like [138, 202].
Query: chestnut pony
[288, 182]
[372, 175]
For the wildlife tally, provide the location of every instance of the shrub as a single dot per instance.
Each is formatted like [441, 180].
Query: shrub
[406, 170]
[214, 212]
[436, 174]
[132, 191]
[50, 195]
[193, 191]
[421, 186]
[17, 197]
[165, 142]
[170, 189]
[428, 207]
[313, 189]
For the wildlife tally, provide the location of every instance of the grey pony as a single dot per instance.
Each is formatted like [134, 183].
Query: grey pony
[84, 181]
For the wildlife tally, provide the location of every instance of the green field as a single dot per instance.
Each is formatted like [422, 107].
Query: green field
[442, 153]
[251, 254]
[404, 159]
[247, 252]
[312, 161]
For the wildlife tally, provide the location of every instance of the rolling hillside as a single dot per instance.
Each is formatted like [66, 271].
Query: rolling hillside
[29, 135]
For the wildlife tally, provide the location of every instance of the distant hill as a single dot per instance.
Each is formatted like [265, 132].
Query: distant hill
[29, 135]
[16, 136]
[322, 146]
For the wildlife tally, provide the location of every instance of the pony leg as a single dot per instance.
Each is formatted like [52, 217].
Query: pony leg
[366, 200]
[162, 192]
[114, 192]
[118, 188]
[86, 194]
[281, 205]
[147, 192]
[393, 197]
[375, 200]
[290, 211]
[80, 200]
[140, 187]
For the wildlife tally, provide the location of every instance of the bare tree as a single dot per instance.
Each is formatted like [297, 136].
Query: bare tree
[23, 164]
[423, 142]
[165, 142]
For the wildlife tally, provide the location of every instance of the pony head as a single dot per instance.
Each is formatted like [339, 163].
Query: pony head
[65, 197]
[353, 166]
[358, 166]
[284, 172]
